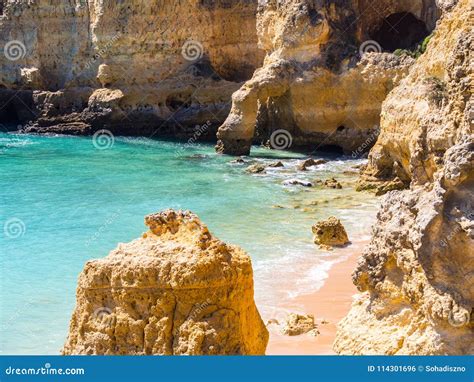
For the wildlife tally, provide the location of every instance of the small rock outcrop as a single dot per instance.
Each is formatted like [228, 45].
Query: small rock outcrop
[310, 163]
[297, 324]
[256, 168]
[330, 233]
[416, 277]
[177, 290]
[297, 182]
[332, 183]
[277, 164]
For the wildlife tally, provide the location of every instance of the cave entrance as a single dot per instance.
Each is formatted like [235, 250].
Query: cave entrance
[8, 114]
[400, 31]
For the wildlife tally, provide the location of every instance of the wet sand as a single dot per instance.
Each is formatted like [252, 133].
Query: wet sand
[331, 303]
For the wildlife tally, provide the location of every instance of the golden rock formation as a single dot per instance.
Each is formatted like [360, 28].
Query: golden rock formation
[330, 233]
[176, 63]
[318, 81]
[417, 275]
[176, 290]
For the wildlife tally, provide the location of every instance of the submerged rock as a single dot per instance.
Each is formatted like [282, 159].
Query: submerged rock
[297, 324]
[297, 182]
[330, 233]
[332, 183]
[196, 157]
[311, 163]
[256, 169]
[238, 161]
[176, 290]
[276, 164]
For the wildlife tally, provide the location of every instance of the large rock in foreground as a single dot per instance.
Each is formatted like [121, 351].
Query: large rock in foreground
[176, 290]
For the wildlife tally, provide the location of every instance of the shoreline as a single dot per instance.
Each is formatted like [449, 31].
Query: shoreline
[330, 303]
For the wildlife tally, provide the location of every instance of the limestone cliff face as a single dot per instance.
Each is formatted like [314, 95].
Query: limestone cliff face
[138, 66]
[314, 83]
[176, 290]
[417, 275]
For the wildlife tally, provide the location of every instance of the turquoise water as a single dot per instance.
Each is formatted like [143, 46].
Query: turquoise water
[64, 201]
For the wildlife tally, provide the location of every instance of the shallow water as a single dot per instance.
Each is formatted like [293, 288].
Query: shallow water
[64, 201]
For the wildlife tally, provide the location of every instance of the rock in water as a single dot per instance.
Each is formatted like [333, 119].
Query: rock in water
[417, 274]
[256, 169]
[276, 164]
[297, 182]
[333, 183]
[330, 232]
[310, 163]
[176, 290]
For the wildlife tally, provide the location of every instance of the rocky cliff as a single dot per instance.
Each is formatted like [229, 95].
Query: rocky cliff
[163, 67]
[417, 275]
[134, 67]
[176, 290]
[327, 71]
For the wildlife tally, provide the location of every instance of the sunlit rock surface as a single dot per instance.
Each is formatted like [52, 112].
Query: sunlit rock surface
[417, 275]
[176, 290]
[319, 81]
[171, 65]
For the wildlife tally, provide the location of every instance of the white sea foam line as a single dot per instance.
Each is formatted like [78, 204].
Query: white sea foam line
[8, 143]
[306, 278]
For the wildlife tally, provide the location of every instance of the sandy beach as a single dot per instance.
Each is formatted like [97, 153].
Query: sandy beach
[331, 303]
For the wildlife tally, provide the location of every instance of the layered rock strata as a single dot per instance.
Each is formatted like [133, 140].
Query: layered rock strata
[318, 83]
[176, 290]
[133, 67]
[416, 277]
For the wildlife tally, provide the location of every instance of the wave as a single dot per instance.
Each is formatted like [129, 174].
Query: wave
[12, 143]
